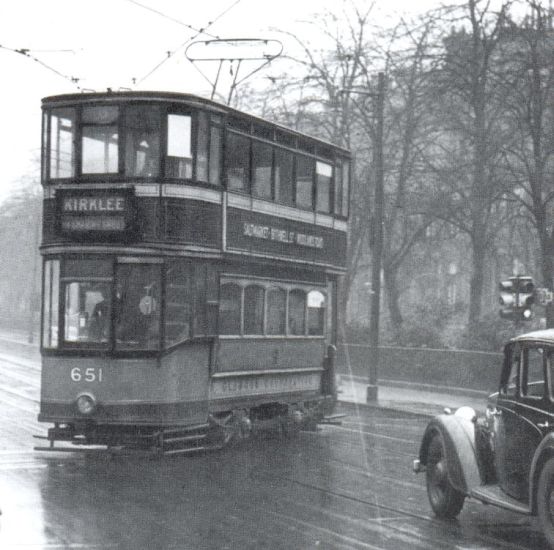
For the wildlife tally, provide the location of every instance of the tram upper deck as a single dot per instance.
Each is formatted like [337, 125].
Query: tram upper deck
[174, 173]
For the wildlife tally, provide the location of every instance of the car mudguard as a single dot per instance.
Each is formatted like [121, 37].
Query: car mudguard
[458, 435]
[544, 451]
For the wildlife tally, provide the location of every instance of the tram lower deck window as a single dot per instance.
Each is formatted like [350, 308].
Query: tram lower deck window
[264, 309]
[50, 303]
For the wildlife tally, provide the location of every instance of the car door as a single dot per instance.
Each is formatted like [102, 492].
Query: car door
[520, 418]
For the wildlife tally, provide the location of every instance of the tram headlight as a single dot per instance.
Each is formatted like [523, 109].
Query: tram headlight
[86, 403]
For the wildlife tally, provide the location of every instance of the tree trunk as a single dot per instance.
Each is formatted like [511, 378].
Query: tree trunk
[393, 298]
[476, 285]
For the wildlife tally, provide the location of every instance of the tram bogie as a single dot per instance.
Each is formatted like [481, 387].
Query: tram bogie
[192, 260]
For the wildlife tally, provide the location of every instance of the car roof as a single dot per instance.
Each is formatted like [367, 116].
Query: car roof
[545, 336]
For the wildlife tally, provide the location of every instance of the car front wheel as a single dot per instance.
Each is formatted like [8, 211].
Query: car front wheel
[446, 501]
[545, 501]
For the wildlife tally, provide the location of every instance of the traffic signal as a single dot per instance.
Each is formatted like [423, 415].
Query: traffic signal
[517, 296]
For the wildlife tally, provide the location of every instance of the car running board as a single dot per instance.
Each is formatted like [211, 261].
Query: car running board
[493, 494]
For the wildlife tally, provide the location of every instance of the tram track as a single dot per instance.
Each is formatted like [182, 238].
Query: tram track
[429, 533]
[26, 379]
[422, 541]
[391, 524]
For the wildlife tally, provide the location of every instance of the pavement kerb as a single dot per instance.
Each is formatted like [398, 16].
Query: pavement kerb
[388, 407]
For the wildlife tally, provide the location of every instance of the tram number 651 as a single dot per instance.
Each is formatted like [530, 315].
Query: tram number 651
[90, 374]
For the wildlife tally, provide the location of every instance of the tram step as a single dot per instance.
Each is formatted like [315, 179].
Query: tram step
[335, 419]
[191, 450]
[183, 429]
[183, 439]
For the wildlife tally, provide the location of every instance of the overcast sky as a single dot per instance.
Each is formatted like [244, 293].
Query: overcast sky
[108, 43]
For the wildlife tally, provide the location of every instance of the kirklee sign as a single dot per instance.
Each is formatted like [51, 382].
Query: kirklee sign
[95, 212]
[94, 204]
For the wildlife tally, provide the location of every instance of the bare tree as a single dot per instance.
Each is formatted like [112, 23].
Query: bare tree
[470, 110]
[529, 74]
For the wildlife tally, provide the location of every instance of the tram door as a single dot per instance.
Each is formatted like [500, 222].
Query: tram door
[188, 324]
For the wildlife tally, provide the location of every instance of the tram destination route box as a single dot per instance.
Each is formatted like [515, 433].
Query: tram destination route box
[96, 214]
[269, 235]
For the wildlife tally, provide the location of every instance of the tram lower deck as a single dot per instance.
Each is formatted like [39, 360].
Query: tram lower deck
[134, 346]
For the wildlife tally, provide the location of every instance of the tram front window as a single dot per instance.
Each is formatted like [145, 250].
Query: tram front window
[142, 142]
[87, 312]
[99, 140]
[137, 307]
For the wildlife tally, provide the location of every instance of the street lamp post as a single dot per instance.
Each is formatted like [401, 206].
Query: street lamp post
[377, 228]
[377, 256]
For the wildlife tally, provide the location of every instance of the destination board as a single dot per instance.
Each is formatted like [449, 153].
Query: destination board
[260, 233]
[97, 213]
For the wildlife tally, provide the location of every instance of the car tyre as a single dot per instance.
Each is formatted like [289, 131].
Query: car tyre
[446, 501]
[545, 501]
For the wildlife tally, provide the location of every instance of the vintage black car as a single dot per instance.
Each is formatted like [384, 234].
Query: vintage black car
[506, 456]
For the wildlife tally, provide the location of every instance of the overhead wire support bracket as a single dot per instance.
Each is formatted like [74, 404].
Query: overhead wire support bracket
[233, 50]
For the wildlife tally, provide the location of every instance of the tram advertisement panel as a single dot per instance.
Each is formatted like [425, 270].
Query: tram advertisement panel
[97, 213]
[265, 234]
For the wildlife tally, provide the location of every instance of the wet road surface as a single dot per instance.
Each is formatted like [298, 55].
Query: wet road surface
[343, 487]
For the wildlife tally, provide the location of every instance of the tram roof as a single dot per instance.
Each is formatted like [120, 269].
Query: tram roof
[187, 99]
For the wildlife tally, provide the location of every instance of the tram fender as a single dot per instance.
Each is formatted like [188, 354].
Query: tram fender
[458, 436]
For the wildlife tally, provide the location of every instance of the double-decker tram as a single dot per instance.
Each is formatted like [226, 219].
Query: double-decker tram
[192, 256]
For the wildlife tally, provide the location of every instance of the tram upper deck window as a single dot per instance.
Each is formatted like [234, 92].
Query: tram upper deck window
[338, 194]
[100, 138]
[342, 178]
[262, 162]
[62, 135]
[304, 181]
[284, 185]
[215, 155]
[237, 152]
[202, 140]
[142, 141]
[178, 162]
[324, 177]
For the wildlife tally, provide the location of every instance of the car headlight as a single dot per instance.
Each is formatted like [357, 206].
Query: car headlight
[86, 403]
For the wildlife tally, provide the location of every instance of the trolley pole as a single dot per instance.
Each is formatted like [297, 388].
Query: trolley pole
[377, 256]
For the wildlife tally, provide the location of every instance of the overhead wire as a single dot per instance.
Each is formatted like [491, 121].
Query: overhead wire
[26, 53]
[165, 16]
[75, 80]
[197, 31]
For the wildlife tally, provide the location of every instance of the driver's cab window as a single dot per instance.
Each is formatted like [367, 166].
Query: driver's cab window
[532, 380]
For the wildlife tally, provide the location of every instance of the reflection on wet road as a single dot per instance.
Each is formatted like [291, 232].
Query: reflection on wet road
[343, 487]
